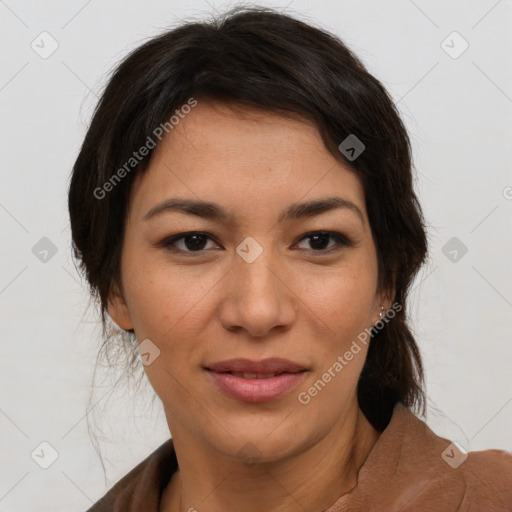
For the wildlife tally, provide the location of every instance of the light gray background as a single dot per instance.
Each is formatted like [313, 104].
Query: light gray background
[458, 113]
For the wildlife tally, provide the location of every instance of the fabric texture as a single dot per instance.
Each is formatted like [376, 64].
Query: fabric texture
[408, 469]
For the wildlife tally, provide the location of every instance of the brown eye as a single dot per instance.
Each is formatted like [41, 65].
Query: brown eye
[319, 241]
[187, 242]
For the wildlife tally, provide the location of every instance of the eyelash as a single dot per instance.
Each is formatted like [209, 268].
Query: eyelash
[341, 240]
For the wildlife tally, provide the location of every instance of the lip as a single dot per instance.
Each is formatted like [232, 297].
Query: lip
[269, 365]
[261, 389]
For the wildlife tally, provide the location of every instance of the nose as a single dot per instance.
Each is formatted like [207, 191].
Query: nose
[258, 298]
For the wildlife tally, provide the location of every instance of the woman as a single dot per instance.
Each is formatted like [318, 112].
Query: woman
[243, 207]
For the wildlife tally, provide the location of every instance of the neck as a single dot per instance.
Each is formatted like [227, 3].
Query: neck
[314, 478]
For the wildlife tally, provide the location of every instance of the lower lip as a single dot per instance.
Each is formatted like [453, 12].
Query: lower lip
[256, 390]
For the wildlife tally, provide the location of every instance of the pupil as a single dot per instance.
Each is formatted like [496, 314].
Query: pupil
[197, 244]
[324, 241]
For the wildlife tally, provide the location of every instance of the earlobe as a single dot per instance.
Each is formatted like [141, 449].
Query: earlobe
[383, 305]
[118, 310]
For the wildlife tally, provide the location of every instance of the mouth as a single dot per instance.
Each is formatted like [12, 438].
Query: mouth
[248, 375]
[270, 366]
[256, 381]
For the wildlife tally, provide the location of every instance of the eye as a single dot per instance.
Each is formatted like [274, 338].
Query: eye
[319, 240]
[191, 242]
[197, 242]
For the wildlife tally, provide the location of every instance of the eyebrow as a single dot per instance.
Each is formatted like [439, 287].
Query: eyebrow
[212, 211]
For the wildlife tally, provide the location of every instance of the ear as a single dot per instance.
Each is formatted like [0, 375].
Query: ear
[118, 310]
[384, 298]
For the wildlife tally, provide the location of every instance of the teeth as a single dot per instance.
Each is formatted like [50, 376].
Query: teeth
[254, 375]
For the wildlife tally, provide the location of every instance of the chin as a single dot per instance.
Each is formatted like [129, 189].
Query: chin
[256, 442]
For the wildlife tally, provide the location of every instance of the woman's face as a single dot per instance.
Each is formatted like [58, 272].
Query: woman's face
[250, 284]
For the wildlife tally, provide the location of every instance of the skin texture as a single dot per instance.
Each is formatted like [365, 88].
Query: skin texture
[293, 301]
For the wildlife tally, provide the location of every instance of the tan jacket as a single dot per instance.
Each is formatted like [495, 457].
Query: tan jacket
[408, 469]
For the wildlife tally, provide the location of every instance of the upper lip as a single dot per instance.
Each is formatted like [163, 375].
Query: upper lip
[270, 365]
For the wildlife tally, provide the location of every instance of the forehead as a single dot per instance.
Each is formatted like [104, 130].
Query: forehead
[237, 133]
[244, 157]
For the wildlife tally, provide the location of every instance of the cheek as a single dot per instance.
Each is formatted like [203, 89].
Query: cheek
[344, 305]
[343, 301]
[343, 350]
[352, 308]
[163, 298]
[166, 306]
[171, 306]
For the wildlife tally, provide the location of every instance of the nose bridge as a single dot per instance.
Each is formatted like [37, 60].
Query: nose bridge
[257, 299]
[255, 276]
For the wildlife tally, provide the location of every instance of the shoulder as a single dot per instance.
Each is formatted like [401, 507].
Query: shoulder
[141, 488]
[411, 468]
[474, 480]
[487, 476]
[465, 481]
